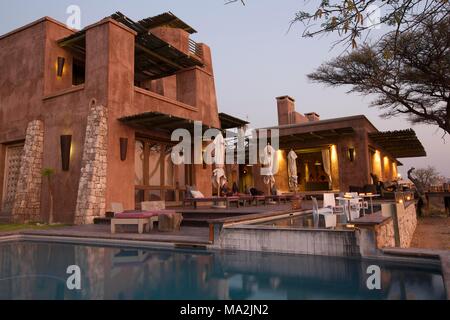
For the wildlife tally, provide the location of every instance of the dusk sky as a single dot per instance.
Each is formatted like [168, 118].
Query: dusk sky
[255, 58]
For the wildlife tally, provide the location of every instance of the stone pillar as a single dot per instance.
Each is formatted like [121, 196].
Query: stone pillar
[91, 200]
[27, 203]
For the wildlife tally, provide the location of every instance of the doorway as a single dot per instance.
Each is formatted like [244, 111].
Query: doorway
[13, 160]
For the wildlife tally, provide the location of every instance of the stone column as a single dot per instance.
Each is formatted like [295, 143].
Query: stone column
[27, 203]
[91, 200]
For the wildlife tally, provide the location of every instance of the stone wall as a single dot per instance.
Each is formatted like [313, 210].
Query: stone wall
[27, 203]
[385, 235]
[407, 223]
[91, 200]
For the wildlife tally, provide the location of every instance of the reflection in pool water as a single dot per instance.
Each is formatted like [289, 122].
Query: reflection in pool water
[38, 271]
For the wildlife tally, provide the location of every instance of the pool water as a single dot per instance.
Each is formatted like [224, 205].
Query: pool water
[31, 270]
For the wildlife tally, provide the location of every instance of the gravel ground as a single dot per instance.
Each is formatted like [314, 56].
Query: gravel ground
[432, 233]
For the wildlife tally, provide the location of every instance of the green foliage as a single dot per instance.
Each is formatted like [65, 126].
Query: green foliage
[19, 227]
[408, 75]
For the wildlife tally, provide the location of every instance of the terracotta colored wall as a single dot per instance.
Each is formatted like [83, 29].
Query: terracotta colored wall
[21, 81]
[53, 83]
[120, 181]
[67, 114]
[354, 173]
[26, 79]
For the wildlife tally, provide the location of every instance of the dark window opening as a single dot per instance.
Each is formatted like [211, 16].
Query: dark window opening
[78, 72]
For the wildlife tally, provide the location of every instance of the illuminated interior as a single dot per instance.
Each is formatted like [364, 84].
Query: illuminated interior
[312, 172]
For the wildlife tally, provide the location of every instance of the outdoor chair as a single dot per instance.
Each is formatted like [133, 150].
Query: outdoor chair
[355, 209]
[330, 202]
[194, 197]
[327, 213]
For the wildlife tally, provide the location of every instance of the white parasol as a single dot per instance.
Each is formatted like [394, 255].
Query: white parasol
[268, 160]
[219, 178]
[292, 169]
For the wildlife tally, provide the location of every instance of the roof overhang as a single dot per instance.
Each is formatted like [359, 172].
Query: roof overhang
[400, 143]
[161, 122]
[230, 122]
[320, 136]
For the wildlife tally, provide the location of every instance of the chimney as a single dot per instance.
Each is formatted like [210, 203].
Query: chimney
[286, 108]
[312, 116]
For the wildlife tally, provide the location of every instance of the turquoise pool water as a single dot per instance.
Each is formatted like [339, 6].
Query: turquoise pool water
[38, 271]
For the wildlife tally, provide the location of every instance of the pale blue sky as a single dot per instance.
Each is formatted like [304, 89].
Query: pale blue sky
[255, 59]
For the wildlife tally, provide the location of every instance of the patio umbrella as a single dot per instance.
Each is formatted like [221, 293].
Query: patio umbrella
[219, 178]
[268, 170]
[292, 169]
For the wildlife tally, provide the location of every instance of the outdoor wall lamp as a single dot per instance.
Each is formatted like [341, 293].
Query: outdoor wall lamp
[351, 154]
[61, 62]
[123, 148]
[66, 144]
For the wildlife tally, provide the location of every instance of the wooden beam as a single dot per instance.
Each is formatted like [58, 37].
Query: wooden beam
[158, 56]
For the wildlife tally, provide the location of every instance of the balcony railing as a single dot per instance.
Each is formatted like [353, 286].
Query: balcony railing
[195, 49]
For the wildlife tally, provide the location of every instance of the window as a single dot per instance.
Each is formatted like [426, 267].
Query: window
[78, 72]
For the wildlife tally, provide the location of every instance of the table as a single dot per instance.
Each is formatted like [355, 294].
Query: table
[369, 196]
[348, 205]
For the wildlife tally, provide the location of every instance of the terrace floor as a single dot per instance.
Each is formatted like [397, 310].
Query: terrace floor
[194, 230]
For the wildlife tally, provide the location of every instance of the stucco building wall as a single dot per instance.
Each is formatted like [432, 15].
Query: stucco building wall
[31, 90]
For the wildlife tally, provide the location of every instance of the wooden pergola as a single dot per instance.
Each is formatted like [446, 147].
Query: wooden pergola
[154, 58]
[157, 121]
[400, 143]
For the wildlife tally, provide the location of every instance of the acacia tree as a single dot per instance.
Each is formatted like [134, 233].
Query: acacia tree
[409, 75]
[425, 177]
[354, 19]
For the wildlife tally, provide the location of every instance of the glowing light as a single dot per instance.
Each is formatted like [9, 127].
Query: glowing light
[334, 155]
[377, 163]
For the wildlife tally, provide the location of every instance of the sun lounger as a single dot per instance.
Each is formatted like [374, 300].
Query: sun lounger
[143, 219]
[195, 201]
[227, 200]
[245, 198]
[258, 199]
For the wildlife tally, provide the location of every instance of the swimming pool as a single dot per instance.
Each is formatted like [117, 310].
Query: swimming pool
[35, 270]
